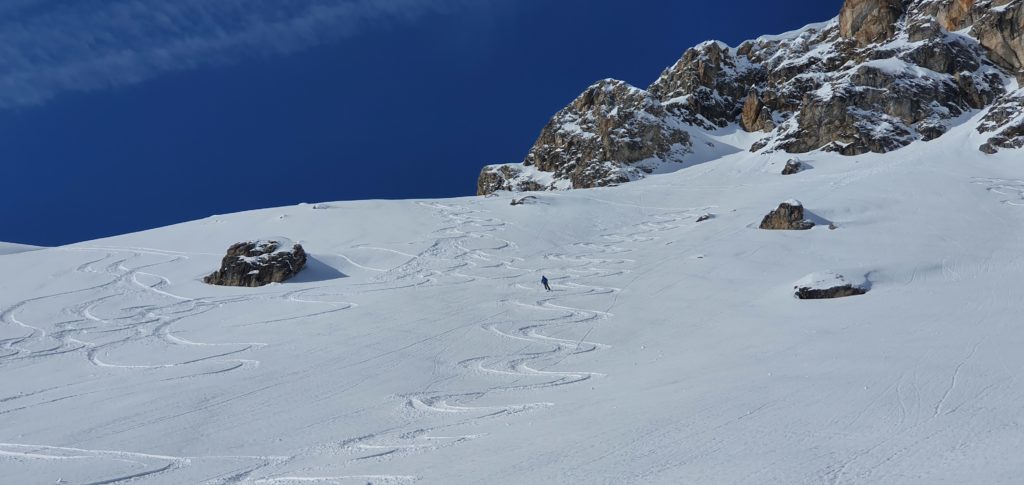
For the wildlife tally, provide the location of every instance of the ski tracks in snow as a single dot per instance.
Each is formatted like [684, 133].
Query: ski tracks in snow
[547, 328]
[136, 305]
[1011, 190]
[101, 321]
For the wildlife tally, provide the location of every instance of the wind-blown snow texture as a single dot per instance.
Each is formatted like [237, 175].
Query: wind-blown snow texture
[418, 345]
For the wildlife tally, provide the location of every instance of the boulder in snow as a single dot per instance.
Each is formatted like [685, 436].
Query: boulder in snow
[821, 286]
[792, 166]
[789, 216]
[258, 263]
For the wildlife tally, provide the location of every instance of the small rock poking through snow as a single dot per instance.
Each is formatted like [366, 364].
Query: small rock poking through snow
[792, 167]
[826, 285]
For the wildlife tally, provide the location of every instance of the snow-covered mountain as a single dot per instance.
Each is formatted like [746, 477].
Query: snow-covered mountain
[417, 345]
[881, 75]
[12, 248]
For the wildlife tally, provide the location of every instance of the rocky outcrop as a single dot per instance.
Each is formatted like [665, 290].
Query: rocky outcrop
[826, 285]
[882, 75]
[1001, 31]
[842, 291]
[788, 217]
[707, 86]
[612, 133]
[258, 263]
[793, 166]
[1004, 122]
[506, 177]
[870, 21]
[755, 115]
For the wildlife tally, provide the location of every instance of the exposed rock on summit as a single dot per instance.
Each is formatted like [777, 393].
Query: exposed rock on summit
[612, 133]
[870, 21]
[258, 263]
[881, 75]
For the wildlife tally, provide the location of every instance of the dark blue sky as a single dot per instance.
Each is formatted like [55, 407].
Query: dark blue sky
[394, 104]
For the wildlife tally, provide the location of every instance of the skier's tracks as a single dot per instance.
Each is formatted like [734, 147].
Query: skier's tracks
[96, 321]
[550, 328]
[1011, 190]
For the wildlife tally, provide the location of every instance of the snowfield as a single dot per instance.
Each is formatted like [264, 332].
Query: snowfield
[12, 248]
[419, 347]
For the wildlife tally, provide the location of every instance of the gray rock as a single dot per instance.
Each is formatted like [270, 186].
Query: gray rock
[792, 166]
[708, 85]
[504, 177]
[258, 263]
[805, 293]
[1005, 124]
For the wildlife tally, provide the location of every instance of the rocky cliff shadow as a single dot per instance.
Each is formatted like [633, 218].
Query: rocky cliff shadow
[317, 269]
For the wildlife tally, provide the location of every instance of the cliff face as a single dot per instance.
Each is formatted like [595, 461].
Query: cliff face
[612, 133]
[881, 75]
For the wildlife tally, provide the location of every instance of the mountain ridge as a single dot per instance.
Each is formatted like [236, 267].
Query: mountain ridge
[879, 76]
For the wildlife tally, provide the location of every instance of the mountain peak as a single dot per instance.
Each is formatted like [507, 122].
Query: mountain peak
[882, 75]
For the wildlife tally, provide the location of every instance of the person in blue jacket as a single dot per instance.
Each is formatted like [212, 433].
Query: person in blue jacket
[544, 281]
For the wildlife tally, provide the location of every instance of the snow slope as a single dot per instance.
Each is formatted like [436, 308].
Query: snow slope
[418, 347]
[11, 248]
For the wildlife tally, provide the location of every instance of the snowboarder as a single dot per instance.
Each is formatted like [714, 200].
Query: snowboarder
[544, 281]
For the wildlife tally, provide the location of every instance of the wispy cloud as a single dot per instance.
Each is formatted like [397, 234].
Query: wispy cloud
[52, 46]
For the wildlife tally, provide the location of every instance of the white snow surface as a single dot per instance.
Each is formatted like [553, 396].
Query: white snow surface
[795, 34]
[825, 280]
[419, 347]
[13, 248]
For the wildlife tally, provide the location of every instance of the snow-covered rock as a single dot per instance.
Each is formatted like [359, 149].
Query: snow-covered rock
[1004, 123]
[827, 285]
[793, 166]
[259, 263]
